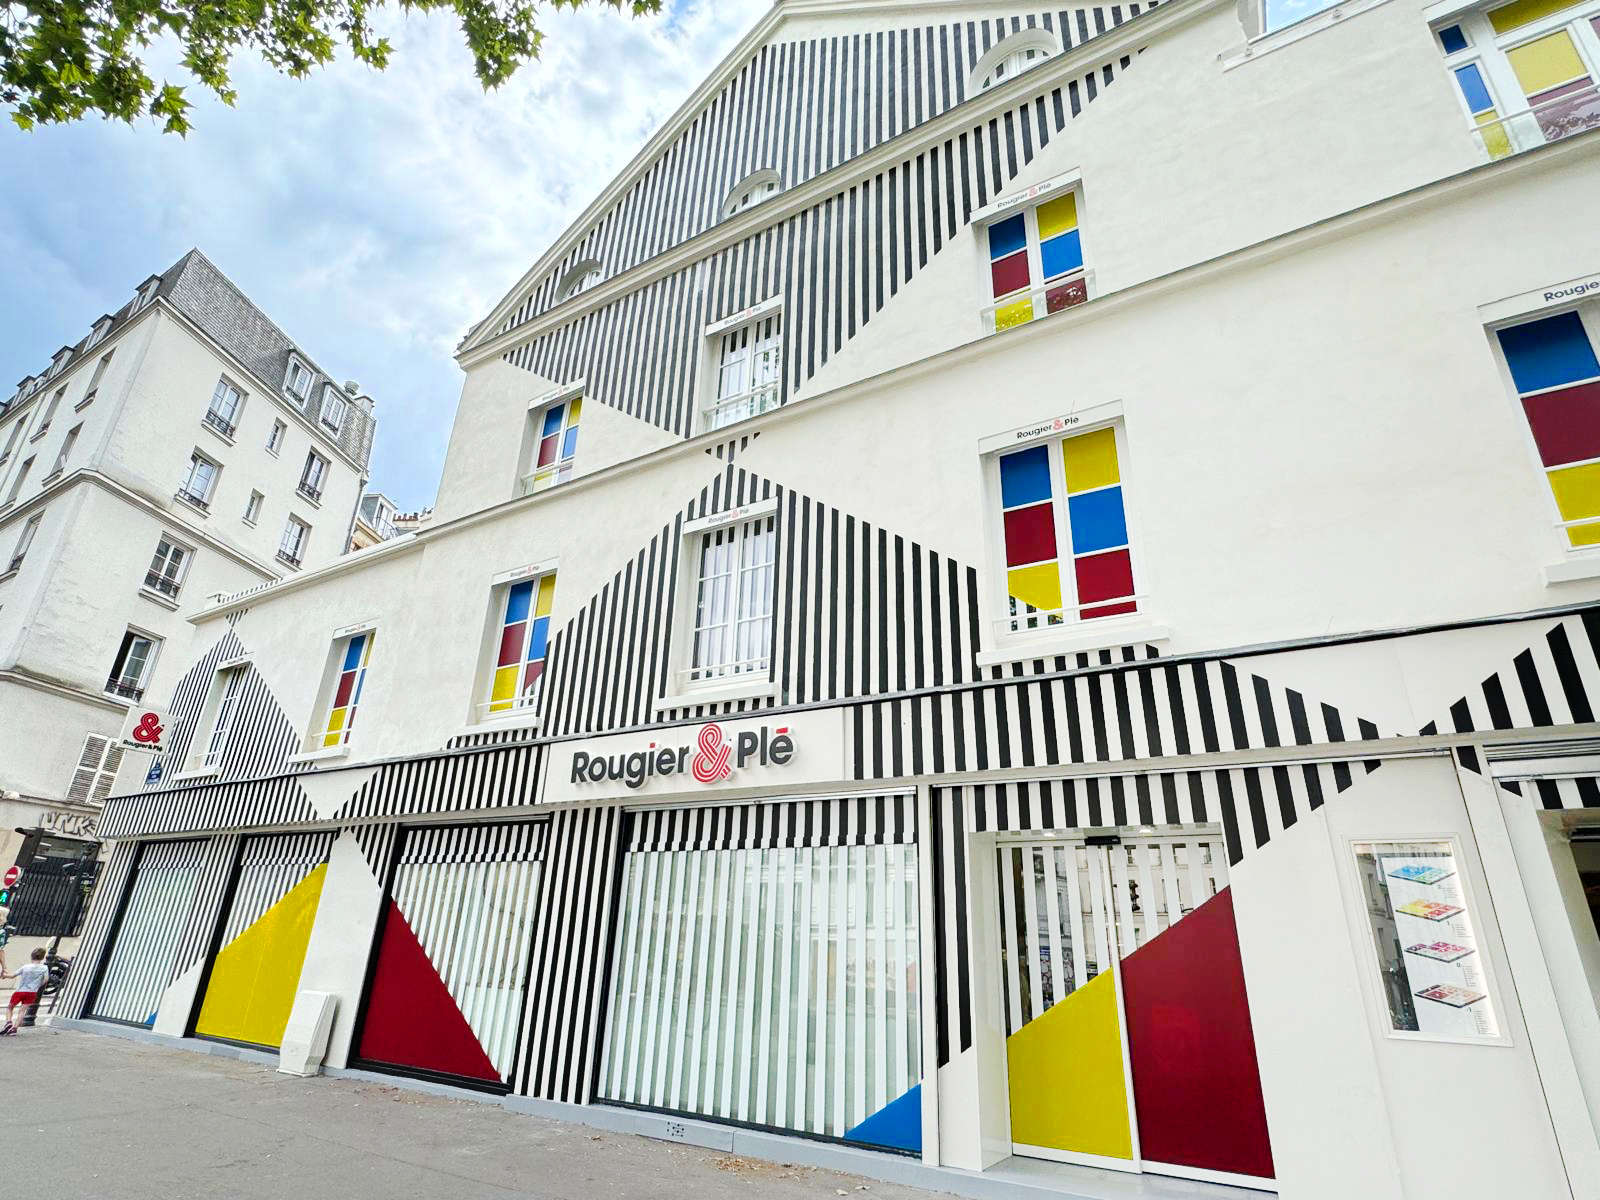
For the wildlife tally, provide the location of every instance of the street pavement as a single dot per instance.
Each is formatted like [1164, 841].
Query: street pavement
[88, 1116]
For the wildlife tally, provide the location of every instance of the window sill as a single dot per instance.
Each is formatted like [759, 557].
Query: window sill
[1266, 43]
[314, 499]
[511, 720]
[248, 522]
[84, 403]
[1572, 570]
[195, 773]
[167, 602]
[39, 432]
[1105, 634]
[200, 506]
[753, 689]
[50, 478]
[215, 432]
[11, 574]
[326, 754]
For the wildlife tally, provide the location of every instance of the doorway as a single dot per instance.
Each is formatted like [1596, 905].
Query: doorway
[1129, 1043]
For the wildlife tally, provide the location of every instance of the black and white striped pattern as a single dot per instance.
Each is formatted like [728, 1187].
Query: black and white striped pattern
[216, 868]
[800, 108]
[444, 783]
[835, 265]
[103, 909]
[1555, 681]
[560, 1035]
[835, 821]
[268, 868]
[519, 842]
[377, 846]
[148, 933]
[251, 803]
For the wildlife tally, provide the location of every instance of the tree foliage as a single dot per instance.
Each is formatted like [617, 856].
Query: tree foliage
[63, 59]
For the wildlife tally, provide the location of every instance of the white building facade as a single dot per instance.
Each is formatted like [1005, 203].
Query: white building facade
[1020, 587]
[185, 448]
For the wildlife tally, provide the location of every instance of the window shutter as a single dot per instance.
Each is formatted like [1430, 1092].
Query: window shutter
[96, 771]
[108, 772]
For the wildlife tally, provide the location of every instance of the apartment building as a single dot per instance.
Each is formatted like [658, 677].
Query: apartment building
[1014, 604]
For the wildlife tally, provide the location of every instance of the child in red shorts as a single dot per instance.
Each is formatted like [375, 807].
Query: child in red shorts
[30, 978]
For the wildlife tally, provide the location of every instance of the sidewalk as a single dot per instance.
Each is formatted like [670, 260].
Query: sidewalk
[109, 1118]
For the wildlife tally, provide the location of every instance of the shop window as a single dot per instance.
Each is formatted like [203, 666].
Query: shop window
[1430, 967]
[550, 443]
[732, 570]
[1525, 72]
[344, 689]
[143, 957]
[520, 645]
[1063, 532]
[748, 367]
[1035, 262]
[1555, 371]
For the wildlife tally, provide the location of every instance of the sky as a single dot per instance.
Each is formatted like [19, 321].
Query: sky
[374, 216]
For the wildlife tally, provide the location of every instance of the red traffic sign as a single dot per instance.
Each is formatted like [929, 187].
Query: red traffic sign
[13, 873]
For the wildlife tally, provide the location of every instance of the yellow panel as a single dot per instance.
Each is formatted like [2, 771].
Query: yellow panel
[505, 682]
[366, 649]
[1018, 313]
[1546, 62]
[1495, 140]
[1068, 1089]
[336, 720]
[1090, 460]
[574, 410]
[547, 596]
[332, 739]
[1058, 215]
[255, 976]
[1577, 491]
[1039, 585]
[1524, 12]
[1584, 535]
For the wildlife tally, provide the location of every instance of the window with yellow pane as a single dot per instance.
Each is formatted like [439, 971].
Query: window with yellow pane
[1527, 72]
[1065, 531]
[350, 657]
[522, 645]
[1035, 262]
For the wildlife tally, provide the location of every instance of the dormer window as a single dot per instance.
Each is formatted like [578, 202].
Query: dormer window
[584, 273]
[751, 191]
[59, 361]
[98, 332]
[1013, 56]
[333, 408]
[297, 379]
[147, 292]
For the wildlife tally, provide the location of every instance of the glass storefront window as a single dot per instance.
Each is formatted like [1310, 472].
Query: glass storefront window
[1430, 965]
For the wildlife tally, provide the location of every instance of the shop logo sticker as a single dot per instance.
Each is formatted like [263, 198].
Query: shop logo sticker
[715, 758]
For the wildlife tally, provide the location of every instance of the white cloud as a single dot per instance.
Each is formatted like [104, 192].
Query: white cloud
[373, 215]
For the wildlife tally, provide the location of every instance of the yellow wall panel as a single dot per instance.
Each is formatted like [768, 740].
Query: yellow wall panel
[1090, 460]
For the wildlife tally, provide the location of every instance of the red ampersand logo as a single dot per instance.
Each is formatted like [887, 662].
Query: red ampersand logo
[148, 729]
[711, 764]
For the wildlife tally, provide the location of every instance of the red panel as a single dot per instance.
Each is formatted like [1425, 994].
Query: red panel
[547, 450]
[1030, 535]
[342, 696]
[1066, 295]
[1110, 610]
[1010, 273]
[411, 1019]
[511, 644]
[1566, 424]
[1107, 576]
[1191, 1048]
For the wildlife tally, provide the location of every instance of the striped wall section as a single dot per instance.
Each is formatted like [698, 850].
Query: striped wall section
[496, 777]
[505, 842]
[837, 821]
[103, 910]
[268, 867]
[835, 265]
[377, 846]
[571, 949]
[216, 870]
[251, 803]
[800, 108]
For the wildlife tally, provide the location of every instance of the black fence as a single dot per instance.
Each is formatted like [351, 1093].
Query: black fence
[52, 898]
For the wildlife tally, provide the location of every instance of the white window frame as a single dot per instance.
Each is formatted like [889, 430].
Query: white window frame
[222, 717]
[163, 570]
[1001, 643]
[755, 188]
[95, 379]
[146, 293]
[50, 412]
[720, 355]
[297, 557]
[327, 692]
[727, 678]
[275, 438]
[18, 480]
[185, 489]
[1028, 203]
[17, 428]
[1013, 56]
[297, 367]
[253, 506]
[524, 708]
[335, 404]
[67, 444]
[225, 420]
[97, 333]
[579, 277]
[309, 487]
[531, 477]
[30, 530]
[118, 675]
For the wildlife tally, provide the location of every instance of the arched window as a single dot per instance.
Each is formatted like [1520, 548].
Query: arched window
[582, 274]
[1011, 57]
[751, 191]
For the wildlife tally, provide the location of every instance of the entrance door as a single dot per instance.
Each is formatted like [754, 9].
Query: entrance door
[1129, 1031]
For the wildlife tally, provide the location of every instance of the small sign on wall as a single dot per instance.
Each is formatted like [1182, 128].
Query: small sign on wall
[146, 730]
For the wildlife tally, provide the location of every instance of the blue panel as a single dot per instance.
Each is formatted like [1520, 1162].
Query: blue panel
[1548, 353]
[540, 638]
[1025, 477]
[1007, 237]
[552, 420]
[1097, 520]
[1452, 39]
[517, 603]
[1061, 254]
[570, 442]
[897, 1125]
[1472, 87]
[355, 696]
[352, 654]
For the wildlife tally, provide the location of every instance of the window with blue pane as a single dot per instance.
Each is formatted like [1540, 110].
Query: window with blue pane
[555, 445]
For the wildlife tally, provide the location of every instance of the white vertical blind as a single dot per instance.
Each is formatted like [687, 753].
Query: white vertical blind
[153, 921]
[775, 987]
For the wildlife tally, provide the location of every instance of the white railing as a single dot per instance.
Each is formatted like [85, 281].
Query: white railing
[742, 405]
[1547, 122]
[1029, 304]
[719, 672]
[540, 478]
[493, 710]
[1057, 618]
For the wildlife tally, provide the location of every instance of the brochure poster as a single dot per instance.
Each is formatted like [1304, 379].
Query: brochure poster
[1433, 975]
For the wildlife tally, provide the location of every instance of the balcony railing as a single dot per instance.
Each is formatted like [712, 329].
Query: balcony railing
[712, 673]
[160, 583]
[1550, 121]
[127, 689]
[189, 497]
[16, 562]
[1028, 304]
[220, 423]
[290, 557]
[310, 491]
[544, 477]
[743, 405]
